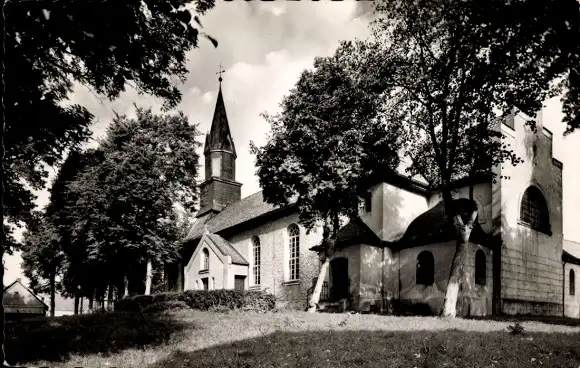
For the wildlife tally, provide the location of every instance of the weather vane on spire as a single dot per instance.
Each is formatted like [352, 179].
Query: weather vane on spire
[220, 73]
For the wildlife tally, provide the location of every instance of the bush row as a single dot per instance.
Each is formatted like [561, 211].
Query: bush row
[199, 299]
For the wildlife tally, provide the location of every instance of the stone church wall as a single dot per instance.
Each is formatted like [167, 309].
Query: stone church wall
[430, 299]
[371, 283]
[215, 274]
[531, 260]
[353, 255]
[393, 209]
[571, 302]
[273, 237]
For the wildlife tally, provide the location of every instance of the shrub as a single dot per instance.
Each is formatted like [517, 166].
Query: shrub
[201, 300]
[219, 309]
[259, 302]
[165, 306]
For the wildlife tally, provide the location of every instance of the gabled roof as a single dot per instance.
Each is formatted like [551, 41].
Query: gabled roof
[219, 137]
[246, 209]
[356, 232]
[227, 249]
[17, 281]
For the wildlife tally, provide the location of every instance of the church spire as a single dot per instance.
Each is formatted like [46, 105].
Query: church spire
[219, 137]
[220, 187]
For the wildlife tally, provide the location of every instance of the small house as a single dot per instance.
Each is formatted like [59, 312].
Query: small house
[21, 302]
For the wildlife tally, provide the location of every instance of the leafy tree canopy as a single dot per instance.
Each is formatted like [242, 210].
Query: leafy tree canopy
[123, 213]
[103, 44]
[453, 69]
[327, 143]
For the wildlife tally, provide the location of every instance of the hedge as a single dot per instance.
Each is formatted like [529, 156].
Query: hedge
[201, 300]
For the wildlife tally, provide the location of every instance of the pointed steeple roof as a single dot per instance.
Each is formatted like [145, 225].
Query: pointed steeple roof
[219, 137]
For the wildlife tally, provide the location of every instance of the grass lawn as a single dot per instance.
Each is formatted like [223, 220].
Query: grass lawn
[288, 339]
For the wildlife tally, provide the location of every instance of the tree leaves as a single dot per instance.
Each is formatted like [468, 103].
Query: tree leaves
[122, 206]
[104, 45]
[327, 143]
[453, 70]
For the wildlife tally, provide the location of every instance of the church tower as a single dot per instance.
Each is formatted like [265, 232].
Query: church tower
[220, 187]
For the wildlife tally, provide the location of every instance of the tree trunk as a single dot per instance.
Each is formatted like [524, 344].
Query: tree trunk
[2, 336]
[315, 298]
[52, 293]
[110, 298]
[82, 299]
[77, 304]
[126, 287]
[149, 278]
[456, 275]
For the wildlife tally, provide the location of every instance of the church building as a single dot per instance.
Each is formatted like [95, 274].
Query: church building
[396, 256]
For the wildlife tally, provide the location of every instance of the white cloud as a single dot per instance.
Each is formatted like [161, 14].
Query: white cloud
[207, 97]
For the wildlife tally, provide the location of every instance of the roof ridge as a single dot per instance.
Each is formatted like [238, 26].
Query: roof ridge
[227, 242]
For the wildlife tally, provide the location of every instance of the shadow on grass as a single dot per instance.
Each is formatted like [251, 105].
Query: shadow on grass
[551, 320]
[313, 349]
[55, 339]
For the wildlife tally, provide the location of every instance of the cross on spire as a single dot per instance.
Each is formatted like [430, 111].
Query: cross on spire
[221, 70]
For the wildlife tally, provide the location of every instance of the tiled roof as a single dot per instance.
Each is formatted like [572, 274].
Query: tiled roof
[432, 227]
[569, 258]
[227, 249]
[236, 213]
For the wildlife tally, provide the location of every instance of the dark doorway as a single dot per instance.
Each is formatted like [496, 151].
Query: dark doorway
[205, 282]
[239, 282]
[340, 282]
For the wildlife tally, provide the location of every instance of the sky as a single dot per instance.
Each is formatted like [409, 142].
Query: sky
[263, 47]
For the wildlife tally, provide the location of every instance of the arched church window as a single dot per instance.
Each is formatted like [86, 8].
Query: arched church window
[256, 251]
[425, 268]
[294, 249]
[534, 210]
[480, 268]
[572, 283]
[205, 259]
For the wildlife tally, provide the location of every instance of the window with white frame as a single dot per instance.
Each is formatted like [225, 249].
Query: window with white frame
[294, 250]
[205, 259]
[257, 254]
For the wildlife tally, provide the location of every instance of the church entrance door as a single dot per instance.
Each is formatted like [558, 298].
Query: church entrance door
[340, 287]
[239, 282]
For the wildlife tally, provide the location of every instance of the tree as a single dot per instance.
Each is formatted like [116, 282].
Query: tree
[124, 217]
[103, 45]
[325, 146]
[58, 212]
[453, 69]
[42, 257]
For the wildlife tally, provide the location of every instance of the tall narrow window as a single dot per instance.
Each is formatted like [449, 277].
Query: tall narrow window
[368, 201]
[216, 166]
[294, 248]
[205, 259]
[534, 210]
[480, 268]
[572, 283]
[425, 274]
[257, 257]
